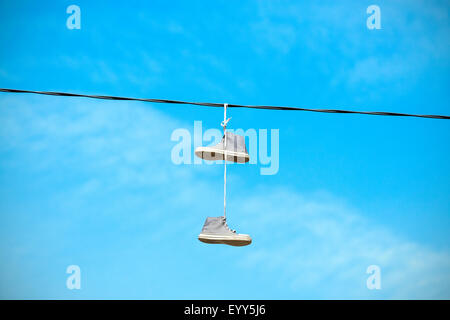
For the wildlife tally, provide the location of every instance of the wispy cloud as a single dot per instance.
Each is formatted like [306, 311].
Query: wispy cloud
[318, 241]
[414, 35]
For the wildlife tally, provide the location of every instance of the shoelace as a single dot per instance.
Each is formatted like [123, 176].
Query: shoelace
[224, 123]
[226, 225]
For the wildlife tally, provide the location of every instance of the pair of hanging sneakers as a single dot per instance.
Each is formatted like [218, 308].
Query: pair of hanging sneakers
[215, 230]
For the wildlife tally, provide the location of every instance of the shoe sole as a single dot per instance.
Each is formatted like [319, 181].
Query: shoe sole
[215, 154]
[232, 241]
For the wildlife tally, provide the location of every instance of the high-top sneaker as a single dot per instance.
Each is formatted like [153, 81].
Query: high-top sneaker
[216, 230]
[235, 149]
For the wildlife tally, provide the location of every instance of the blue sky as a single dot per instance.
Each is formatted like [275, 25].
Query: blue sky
[92, 183]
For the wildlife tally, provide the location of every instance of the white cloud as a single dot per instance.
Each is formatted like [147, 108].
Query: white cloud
[317, 241]
[414, 35]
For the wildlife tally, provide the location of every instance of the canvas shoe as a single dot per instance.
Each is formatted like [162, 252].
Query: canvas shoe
[216, 230]
[235, 149]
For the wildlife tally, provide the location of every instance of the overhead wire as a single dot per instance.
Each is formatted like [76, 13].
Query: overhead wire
[212, 104]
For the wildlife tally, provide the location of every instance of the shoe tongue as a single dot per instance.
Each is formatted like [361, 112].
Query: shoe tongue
[225, 222]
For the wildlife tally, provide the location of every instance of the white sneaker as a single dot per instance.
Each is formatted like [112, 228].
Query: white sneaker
[235, 150]
[216, 230]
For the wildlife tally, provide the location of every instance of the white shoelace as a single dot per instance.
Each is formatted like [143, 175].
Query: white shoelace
[226, 225]
[225, 122]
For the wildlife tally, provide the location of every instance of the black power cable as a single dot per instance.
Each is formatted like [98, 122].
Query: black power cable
[209, 104]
